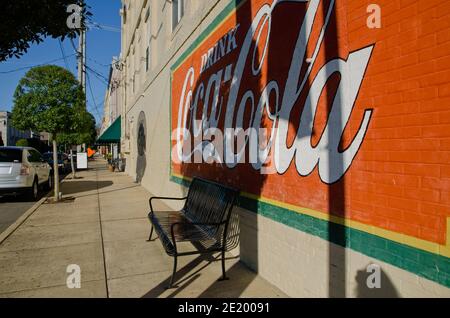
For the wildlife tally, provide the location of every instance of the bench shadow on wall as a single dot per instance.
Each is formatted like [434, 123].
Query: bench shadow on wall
[240, 277]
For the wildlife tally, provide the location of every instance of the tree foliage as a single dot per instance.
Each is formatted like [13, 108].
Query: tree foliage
[22, 143]
[49, 98]
[82, 132]
[30, 21]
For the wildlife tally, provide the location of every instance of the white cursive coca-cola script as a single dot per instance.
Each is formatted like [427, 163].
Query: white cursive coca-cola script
[331, 162]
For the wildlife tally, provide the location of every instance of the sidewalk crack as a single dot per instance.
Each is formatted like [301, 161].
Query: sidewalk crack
[101, 232]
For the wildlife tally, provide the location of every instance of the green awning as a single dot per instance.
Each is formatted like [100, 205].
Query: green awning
[112, 133]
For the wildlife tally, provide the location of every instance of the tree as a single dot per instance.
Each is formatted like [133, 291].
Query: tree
[49, 98]
[82, 132]
[25, 22]
[22, 143]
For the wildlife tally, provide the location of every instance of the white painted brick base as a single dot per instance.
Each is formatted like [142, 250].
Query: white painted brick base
[299, 264]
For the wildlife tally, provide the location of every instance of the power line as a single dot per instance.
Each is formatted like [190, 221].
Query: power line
[92, 95]
[63, 54]
[74, 47]
[100, 79]
[93, 110]
[99, 73]
[101, 64]
[28, 67]
[103, 78]
[103, 27]
[100, 76]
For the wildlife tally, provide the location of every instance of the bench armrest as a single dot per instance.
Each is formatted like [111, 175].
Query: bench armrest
[163, 198]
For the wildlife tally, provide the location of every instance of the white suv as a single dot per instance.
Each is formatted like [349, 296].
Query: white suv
[23, 170]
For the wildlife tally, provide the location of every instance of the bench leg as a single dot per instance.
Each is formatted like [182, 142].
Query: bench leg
[151, 233]
[172, 279]
[224, 275]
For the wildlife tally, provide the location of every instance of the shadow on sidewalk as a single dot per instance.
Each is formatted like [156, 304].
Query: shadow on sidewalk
[109, 191]
[19, 198]
[185, 281]
[84, 186]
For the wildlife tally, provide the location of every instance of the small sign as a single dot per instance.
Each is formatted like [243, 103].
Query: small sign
[82, 162]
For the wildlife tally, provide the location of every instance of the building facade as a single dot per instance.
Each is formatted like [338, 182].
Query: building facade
[8, 134]
[112, 108]
[112, 102]
[331, 117]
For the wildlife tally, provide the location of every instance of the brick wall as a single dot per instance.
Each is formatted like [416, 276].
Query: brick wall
[393, 203]
[401, 178]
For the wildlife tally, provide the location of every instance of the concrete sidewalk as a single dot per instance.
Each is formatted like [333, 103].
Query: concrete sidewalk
[103, 229]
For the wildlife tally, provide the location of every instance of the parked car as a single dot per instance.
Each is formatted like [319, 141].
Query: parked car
[63, 161]
[23, 170]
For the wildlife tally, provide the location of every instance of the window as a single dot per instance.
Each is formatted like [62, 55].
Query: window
[133, 69]
[177, 12]
[147, 14]
[34, 156]
[10, 155]
[147, 59]
[124, 13]
[49, 157]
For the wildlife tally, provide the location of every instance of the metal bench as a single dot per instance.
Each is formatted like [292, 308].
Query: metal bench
[204, 221]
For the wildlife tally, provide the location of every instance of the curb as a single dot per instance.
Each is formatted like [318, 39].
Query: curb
[10, 230]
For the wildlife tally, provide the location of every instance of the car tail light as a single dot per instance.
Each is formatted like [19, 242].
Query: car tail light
[24, 170]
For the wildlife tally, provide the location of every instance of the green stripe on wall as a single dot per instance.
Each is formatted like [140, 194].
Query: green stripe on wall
[427, 265]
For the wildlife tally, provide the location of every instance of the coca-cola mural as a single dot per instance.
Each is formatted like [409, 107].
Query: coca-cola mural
[272, 98]
[222, 99]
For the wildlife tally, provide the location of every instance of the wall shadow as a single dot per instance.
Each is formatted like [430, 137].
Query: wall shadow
[336, 191]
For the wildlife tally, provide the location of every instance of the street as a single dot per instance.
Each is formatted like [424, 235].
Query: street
[11, 208]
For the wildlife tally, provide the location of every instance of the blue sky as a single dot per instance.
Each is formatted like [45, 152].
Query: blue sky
[101, 47]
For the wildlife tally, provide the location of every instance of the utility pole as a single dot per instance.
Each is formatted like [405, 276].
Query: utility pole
[81, 77]
[82, 60]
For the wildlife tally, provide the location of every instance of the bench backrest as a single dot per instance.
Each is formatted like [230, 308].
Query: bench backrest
[209, 202]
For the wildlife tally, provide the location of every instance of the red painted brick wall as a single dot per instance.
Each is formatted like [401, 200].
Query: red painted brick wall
[400, 178]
